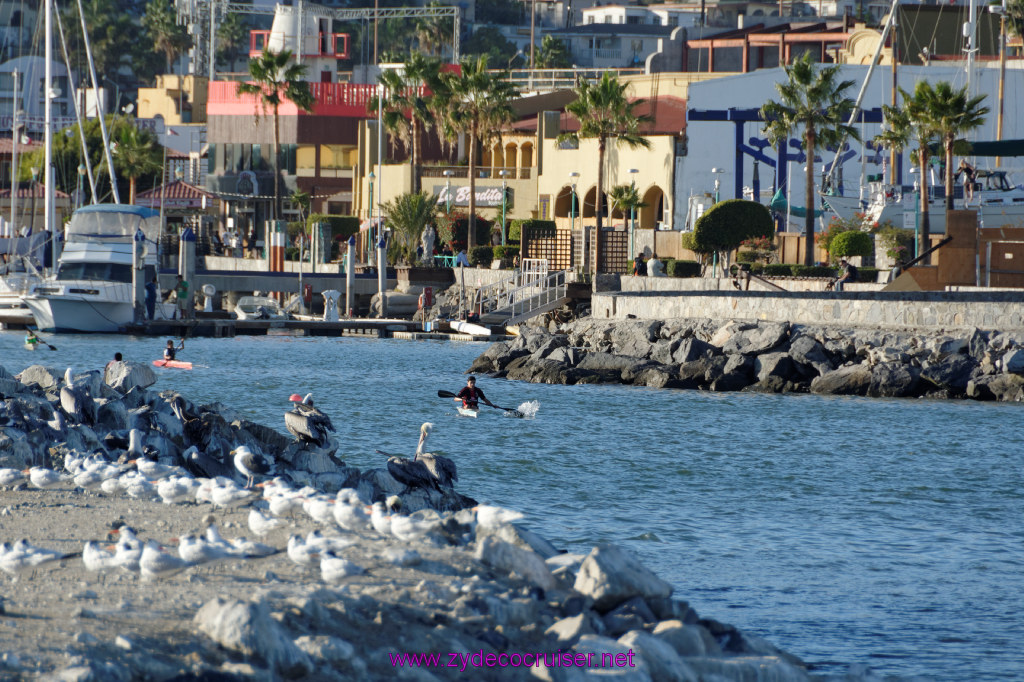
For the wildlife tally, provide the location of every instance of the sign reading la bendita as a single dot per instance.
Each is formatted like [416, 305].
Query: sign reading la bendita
[485, 196]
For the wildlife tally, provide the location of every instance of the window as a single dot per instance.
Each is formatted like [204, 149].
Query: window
[333, 156]
[258, 162]
[228, 160]
[288, 158]
[634, 20]
[305, 157]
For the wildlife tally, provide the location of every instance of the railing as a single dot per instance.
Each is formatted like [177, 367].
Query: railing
[561, 79]
[481, 172]
[525, 291]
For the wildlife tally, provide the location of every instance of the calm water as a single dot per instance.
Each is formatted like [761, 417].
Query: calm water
[881, 532]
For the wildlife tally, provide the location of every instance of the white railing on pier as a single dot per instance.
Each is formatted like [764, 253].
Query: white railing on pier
[529, 291]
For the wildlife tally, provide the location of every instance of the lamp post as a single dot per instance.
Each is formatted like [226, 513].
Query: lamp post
[504, 197]
[718, 180]
[573, 177]
[632, 210]
[448, 191]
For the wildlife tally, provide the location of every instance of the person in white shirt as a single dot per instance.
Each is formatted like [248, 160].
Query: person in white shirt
[655, 268]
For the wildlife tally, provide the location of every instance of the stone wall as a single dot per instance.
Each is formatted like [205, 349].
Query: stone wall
[1001, 311]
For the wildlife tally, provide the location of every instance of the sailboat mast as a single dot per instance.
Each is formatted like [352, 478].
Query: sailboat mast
[14, 162]
[48, 136]
[970, 32]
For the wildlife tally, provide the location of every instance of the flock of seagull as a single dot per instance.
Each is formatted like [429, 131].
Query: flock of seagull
[271, 503]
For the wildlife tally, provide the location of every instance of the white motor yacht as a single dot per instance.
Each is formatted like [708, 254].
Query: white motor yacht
[92, 289]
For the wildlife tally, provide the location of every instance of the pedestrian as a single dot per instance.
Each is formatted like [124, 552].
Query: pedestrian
[639, 266]
[849, 274]
[151, 291]
[969, 173]
[655, 268]
[181, 290]
[462, 260]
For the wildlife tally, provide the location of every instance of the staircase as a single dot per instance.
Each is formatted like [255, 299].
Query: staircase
[526, 293]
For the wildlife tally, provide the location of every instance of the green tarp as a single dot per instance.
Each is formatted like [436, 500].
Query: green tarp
[779, 205]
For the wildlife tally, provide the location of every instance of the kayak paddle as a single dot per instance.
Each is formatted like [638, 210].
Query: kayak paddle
[449, 394]
[44, 342]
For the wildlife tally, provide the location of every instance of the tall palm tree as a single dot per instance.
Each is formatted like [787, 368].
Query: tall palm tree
[626, 198]
[434, 34]
[951, 112]
[232, 37]
[814, 102]
[478, 103]
[553, 54]
[168, 36]
[136, 154]
[274, 79]
[605, 113]
[409, 93]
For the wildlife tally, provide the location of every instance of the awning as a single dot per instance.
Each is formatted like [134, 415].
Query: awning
[986, 148]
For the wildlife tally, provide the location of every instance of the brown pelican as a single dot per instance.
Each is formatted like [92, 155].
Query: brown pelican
[307, 423]
[425, 469]
[76, 401]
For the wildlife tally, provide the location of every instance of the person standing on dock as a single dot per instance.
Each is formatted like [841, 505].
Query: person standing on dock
[170, 352]
[181, 289]
[151, 289]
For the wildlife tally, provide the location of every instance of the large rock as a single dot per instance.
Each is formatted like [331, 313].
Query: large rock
[774, 365]
[125, 376]
[611, 575]
[663, 662]
[687, 640]
[634, 337]
[248, 629]
[1013, 362]
[752, 668]
[568, 631]
[43, 377]
[761, 338]
[691, 349]
[599, 362]
[512, 559]
[614, 660]
[549, 346]
[893, 380]
[1002, 387]
[849, 380]
[807, 351]
[950, 373]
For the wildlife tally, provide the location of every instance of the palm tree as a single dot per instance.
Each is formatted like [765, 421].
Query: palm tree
[477, 102]
[232, 37]
[407, 93]
[605, 113]
[273, 79]
[136, 154]
[434, 34]
[168, 36]
[553, 54]
[408, 214]
[626, 198]
[813, 101]
[950, 113]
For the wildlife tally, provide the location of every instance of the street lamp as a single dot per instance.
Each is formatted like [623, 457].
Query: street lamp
[718, 177]
[448, 191]
[504, 196]
[369, 213]
[632, 210]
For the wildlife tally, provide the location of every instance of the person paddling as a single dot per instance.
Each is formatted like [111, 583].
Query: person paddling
[31, 339]
[471, 396]
[171, 351]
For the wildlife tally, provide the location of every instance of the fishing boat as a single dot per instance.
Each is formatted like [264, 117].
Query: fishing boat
[172, 364]
[92, 288]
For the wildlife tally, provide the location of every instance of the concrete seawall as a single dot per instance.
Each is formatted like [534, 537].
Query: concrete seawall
[995, 310]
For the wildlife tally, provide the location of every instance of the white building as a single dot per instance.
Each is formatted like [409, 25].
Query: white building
[30, 94]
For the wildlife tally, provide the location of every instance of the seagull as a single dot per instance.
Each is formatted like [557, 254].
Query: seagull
[250, 464]
[323, 543]
[490, 517]
[247, 549]
[198, 551]
[23, 556]
[349, 514]
[334, 568]
[10, 476]
[408, 528]
[301, 553]
[261, 524]
[98, 559]
[319, 508]
[128, 550]
[43, 478]
[228, 496]
[380, 522]
[307, 423]
[176, 489]
[156, 563]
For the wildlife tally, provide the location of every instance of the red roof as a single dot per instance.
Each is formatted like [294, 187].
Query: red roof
[178, 194]
[7, 144]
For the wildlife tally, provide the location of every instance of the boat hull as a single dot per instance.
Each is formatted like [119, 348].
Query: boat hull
[79, 313]
[172, 364]
[467, 412]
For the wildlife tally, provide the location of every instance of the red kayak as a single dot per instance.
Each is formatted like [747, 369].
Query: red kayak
[173, 364]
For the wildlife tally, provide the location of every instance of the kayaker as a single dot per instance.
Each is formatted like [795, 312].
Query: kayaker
[471, 396]
[31, 339]
[171, 351]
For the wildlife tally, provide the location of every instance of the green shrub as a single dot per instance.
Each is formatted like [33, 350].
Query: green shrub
[682, 268]
[481, 256]
[778, 270]
[836, 227]
[757, 268]
[812, 271]
[747, 256]
[867, 274]
[897, 242]
[291, 253]
[727, 224]
[517, 227]
[852, 243]
[505, 254]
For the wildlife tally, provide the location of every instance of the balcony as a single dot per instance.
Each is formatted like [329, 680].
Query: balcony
[332, 45]
[332, 99]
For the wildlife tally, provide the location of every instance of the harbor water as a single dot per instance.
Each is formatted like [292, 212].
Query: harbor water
[885, 533]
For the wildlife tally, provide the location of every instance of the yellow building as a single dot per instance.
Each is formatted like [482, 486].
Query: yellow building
[178, 99]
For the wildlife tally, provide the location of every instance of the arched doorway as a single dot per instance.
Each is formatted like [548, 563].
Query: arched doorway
[564, 203]
[654, 210]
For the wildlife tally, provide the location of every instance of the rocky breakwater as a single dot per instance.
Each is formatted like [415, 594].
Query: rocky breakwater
[765, 356]
[335, 589]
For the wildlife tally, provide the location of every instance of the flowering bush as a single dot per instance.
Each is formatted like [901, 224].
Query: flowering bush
[835, 228]
[896, 241]
[757, 249]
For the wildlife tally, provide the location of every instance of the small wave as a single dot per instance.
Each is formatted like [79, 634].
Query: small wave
[529, 409]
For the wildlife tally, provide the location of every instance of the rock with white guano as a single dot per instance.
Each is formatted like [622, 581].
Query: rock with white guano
[568, 631]
[248, 629]
[507, 557]
[611, 575]
[663, 662]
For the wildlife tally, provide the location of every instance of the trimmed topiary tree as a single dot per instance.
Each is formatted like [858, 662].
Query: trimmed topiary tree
[729, 223]
[852, 243]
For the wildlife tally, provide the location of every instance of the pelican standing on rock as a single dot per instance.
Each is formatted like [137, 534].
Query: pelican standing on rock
[441, 468]
[306, 422]
[425, 469]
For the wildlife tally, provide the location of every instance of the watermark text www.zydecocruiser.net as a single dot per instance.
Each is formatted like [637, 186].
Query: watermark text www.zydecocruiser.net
[558, 659]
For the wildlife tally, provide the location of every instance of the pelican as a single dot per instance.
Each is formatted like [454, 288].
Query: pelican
[441, 468]
[76, 401]
[306, 422]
